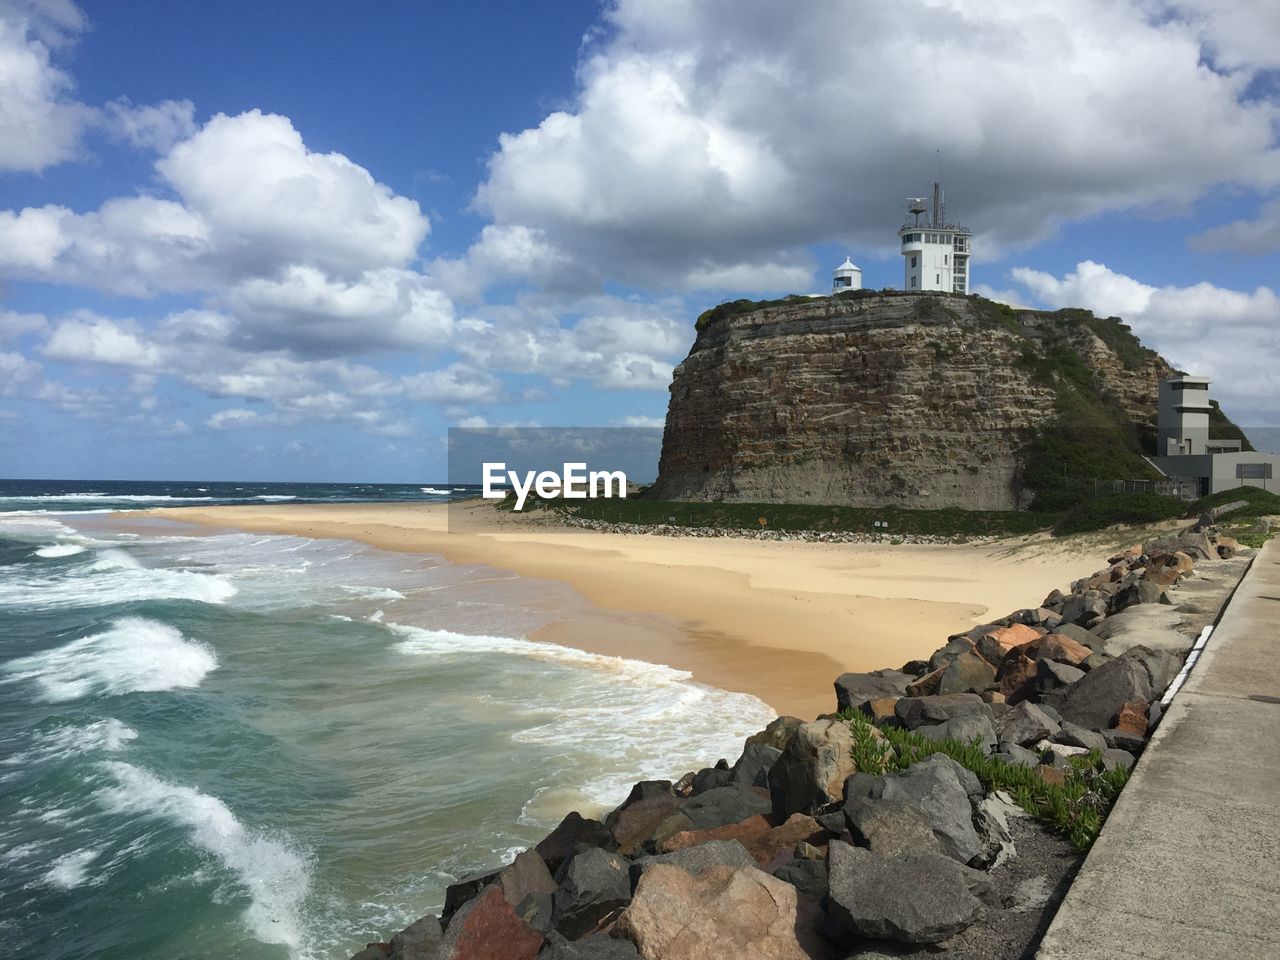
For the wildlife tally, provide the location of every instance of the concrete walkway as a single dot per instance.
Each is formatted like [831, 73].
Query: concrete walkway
[1188, 865]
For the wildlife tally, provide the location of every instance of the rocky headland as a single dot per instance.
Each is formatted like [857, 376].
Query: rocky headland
[911, 400]
[943, 808]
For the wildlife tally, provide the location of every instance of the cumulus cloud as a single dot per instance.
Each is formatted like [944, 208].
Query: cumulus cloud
[612, 343]
[1232, 336]
[306, 309]
[707, 136]
[154, 127]
[40, 122]
[1260, 235]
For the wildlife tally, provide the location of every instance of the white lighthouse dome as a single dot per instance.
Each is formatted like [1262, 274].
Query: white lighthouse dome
[848, 276]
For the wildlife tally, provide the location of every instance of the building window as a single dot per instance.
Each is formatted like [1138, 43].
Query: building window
[946, 259]
[913, 281]
[937, 278]
[1179, 387]
[1253, 471]
[913, 261]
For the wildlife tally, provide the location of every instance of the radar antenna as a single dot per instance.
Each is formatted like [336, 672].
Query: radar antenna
[917, 206]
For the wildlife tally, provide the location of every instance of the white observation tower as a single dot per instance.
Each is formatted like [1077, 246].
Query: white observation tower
[935, 253]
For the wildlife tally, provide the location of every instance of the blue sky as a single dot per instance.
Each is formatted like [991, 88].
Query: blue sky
[300, 240]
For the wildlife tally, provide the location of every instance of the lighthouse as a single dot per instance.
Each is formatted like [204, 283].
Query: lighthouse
[935, 253]
[847, 277]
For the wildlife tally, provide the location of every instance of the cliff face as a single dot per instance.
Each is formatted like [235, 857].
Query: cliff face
[912, 400]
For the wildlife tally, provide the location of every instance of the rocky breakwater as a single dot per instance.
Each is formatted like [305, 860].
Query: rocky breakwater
[914, 400]
[925, 816]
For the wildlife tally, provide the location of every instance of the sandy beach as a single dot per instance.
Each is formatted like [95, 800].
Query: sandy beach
[779, 620]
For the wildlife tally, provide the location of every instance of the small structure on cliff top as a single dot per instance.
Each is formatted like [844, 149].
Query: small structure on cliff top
[1185, 451]
[935, 253]
[848, 276]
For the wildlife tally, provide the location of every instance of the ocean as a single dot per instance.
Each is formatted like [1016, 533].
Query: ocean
[237, 745]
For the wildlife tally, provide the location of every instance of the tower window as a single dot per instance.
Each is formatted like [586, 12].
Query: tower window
[913, 261]
[913, 281]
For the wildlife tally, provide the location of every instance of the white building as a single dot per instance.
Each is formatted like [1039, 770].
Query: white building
[1184, 451]
[847, 277]
[935, 253]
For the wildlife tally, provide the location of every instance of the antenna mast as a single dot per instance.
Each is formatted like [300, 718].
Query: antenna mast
[939, 206]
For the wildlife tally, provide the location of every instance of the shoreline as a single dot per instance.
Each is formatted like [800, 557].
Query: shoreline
[777, 620]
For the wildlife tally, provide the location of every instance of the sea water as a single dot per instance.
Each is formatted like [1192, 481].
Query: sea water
[237, 745]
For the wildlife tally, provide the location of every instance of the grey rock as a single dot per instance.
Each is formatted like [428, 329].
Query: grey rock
[1161, 666]
[963, 729]
[538, 911]
[1074, 735]
[713, 853]
[752, 768]
[812, 769]
[1052, 675]
[953, 648]
[807, 876]
[573, 833]
[711, 778]
[371, 952]
[418, 941]
[967, 672]
[592, 884]
[1124, 740]
[855, 689]
[1143, 591]
[1017, 755]
[1113, 758]
[778, 733]
[1085, 609]
[459, 893]
[724, 805]
[945, 792]
[914, 899]
[915, 712]
[598, 946]
[890, 825]
[1094, 700]
[1023, 724]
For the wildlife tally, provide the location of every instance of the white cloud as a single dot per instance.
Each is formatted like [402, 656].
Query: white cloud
[14, 325]
[709, 135]
[232, 419]
[15, 370]
[1260, 235]
[151, 127]
[457, 383]
[40, 123]
[253, 201]
[306, 309]
[643, 421]
[1230, 335]
[101, 341]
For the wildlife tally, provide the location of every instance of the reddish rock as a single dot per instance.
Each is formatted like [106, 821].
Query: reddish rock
[1132, 718]
[1166, 569]
[487, 928]
[721, 912]
[994, 645]
[746, 832]
[1016, 676]
[927, 685]
[1128, 553]
[1058, 647]
[636, 823]
[880, 709]
[1227, 547]
[993, 697]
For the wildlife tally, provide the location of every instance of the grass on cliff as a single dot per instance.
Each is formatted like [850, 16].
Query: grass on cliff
[949, 522]
[1075, 809]
[1132, 509]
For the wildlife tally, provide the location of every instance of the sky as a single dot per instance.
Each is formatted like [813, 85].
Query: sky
[299, 240]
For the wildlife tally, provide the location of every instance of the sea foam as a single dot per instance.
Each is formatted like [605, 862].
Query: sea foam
[272, 871]
[60, 550]
[132, 655]
[111, 576]
[635, 719]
